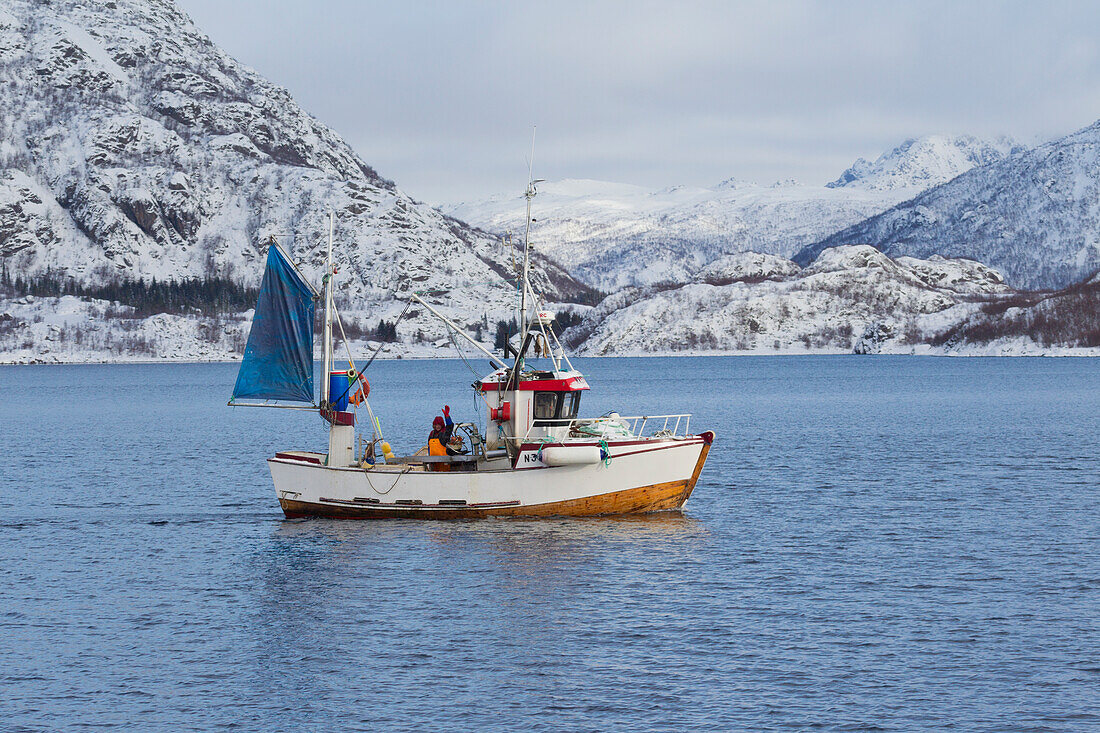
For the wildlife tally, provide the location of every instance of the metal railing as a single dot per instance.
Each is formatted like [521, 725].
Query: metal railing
[636, 424]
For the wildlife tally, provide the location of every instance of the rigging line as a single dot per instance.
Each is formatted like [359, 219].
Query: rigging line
[375, 425]
[478, 415]
[477, 394]
[540, 305]
[564, 355]
[379, 349]
[512, 252]
[340, 323]
[274, 242]
[561, 348]
[451, 336]
[351, 363]
[293, 233]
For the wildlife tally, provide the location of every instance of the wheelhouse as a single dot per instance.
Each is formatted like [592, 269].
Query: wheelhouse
[539, 404]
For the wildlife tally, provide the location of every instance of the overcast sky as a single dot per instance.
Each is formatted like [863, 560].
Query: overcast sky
[441, 96]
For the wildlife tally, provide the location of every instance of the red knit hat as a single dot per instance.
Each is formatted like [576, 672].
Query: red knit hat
[437, 423]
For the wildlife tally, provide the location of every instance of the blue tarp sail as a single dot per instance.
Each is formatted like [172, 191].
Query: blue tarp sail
[278, 359]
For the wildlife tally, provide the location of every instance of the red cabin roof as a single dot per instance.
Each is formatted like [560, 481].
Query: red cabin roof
[549, 382]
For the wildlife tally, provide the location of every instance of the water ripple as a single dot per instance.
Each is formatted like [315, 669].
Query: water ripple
[889, 544]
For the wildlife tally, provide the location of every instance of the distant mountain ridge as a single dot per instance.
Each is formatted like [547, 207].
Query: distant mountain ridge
[614, 235]
[1034, 215]
[920, 163]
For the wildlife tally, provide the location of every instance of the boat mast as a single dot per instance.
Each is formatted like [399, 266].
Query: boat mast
[524, 282]
[326, 353]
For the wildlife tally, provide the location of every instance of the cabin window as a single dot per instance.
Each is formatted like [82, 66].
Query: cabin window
[570, 406]
[546, 405]
[556, 405]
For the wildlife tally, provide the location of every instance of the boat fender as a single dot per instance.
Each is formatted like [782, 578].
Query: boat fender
[502, 413]
[573, 455]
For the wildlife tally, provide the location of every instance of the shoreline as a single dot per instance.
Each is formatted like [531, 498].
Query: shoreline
[1054, 352]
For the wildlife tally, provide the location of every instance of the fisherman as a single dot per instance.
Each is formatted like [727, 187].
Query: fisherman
[440, 437]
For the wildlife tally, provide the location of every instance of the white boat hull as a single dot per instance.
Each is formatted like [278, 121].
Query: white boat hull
[642, 476]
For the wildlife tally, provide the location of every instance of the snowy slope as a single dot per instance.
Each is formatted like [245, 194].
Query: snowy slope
[1035, 216]
[132, 147]
[68, 329]
[613, 235]
[850, 298]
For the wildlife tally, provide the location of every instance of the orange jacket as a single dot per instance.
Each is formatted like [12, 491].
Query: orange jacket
[438, 439]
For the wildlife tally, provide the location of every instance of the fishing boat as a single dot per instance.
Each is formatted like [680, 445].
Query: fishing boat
[533, 456]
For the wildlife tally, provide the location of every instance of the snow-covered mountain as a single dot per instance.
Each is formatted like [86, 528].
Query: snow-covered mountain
[131, 147]
[1035, 216]
[850, 299]
[920, 163]
[613, 235]
[69, 329]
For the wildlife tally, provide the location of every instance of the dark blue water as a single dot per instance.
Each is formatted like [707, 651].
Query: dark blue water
[875, 544]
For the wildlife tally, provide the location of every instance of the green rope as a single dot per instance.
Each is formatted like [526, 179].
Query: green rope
[605, 451]
[542, 444]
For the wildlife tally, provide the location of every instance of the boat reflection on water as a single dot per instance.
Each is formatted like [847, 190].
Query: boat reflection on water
[407, 599]
[319, 561]
[526, 542]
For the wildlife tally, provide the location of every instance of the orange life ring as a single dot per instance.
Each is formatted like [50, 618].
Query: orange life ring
[361, 392]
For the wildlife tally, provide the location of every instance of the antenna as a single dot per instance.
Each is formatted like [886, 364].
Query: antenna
[531, 160]
[524, 284]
